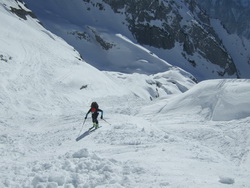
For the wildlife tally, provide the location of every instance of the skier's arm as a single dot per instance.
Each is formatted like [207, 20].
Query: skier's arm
[99, 110]
[87, 114]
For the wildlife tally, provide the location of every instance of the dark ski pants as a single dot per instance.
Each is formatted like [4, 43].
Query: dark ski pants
[94, 118]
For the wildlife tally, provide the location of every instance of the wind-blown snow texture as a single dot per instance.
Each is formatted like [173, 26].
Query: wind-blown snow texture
[187, 135]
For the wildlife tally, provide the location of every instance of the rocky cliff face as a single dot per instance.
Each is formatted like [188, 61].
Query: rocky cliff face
[161, 24]
[234, 14]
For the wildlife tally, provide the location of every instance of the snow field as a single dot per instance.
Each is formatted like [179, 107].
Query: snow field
[136, 150]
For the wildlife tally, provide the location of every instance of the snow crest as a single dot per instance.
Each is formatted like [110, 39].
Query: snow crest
[218, 100]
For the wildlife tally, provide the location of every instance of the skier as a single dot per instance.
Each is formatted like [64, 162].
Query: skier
[94, 109]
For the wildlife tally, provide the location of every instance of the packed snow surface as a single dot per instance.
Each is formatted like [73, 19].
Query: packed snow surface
[160, 130]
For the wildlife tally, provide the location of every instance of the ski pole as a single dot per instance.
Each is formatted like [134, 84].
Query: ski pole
[81, 128]
[106, 121]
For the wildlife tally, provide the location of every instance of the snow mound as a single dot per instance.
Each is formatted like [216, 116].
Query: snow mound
[226, 180]
[218, 100]
[79, 169]
[81, 154]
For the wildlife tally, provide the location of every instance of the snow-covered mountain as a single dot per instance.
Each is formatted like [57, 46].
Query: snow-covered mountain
[230, 19]
[234, 14]
[178, 32]
[27, 62]
[160, 130]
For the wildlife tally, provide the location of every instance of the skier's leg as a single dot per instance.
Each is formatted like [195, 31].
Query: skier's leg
[95, 121]
[97, 125]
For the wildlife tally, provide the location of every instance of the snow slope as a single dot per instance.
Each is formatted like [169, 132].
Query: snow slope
[97, 35]
[34, 72]
[209, 125]
[237, 46]
[193, 139]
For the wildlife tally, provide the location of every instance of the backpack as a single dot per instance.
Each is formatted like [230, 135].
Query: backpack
[94, 106]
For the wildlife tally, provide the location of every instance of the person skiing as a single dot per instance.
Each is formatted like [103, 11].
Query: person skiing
[94, 109]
